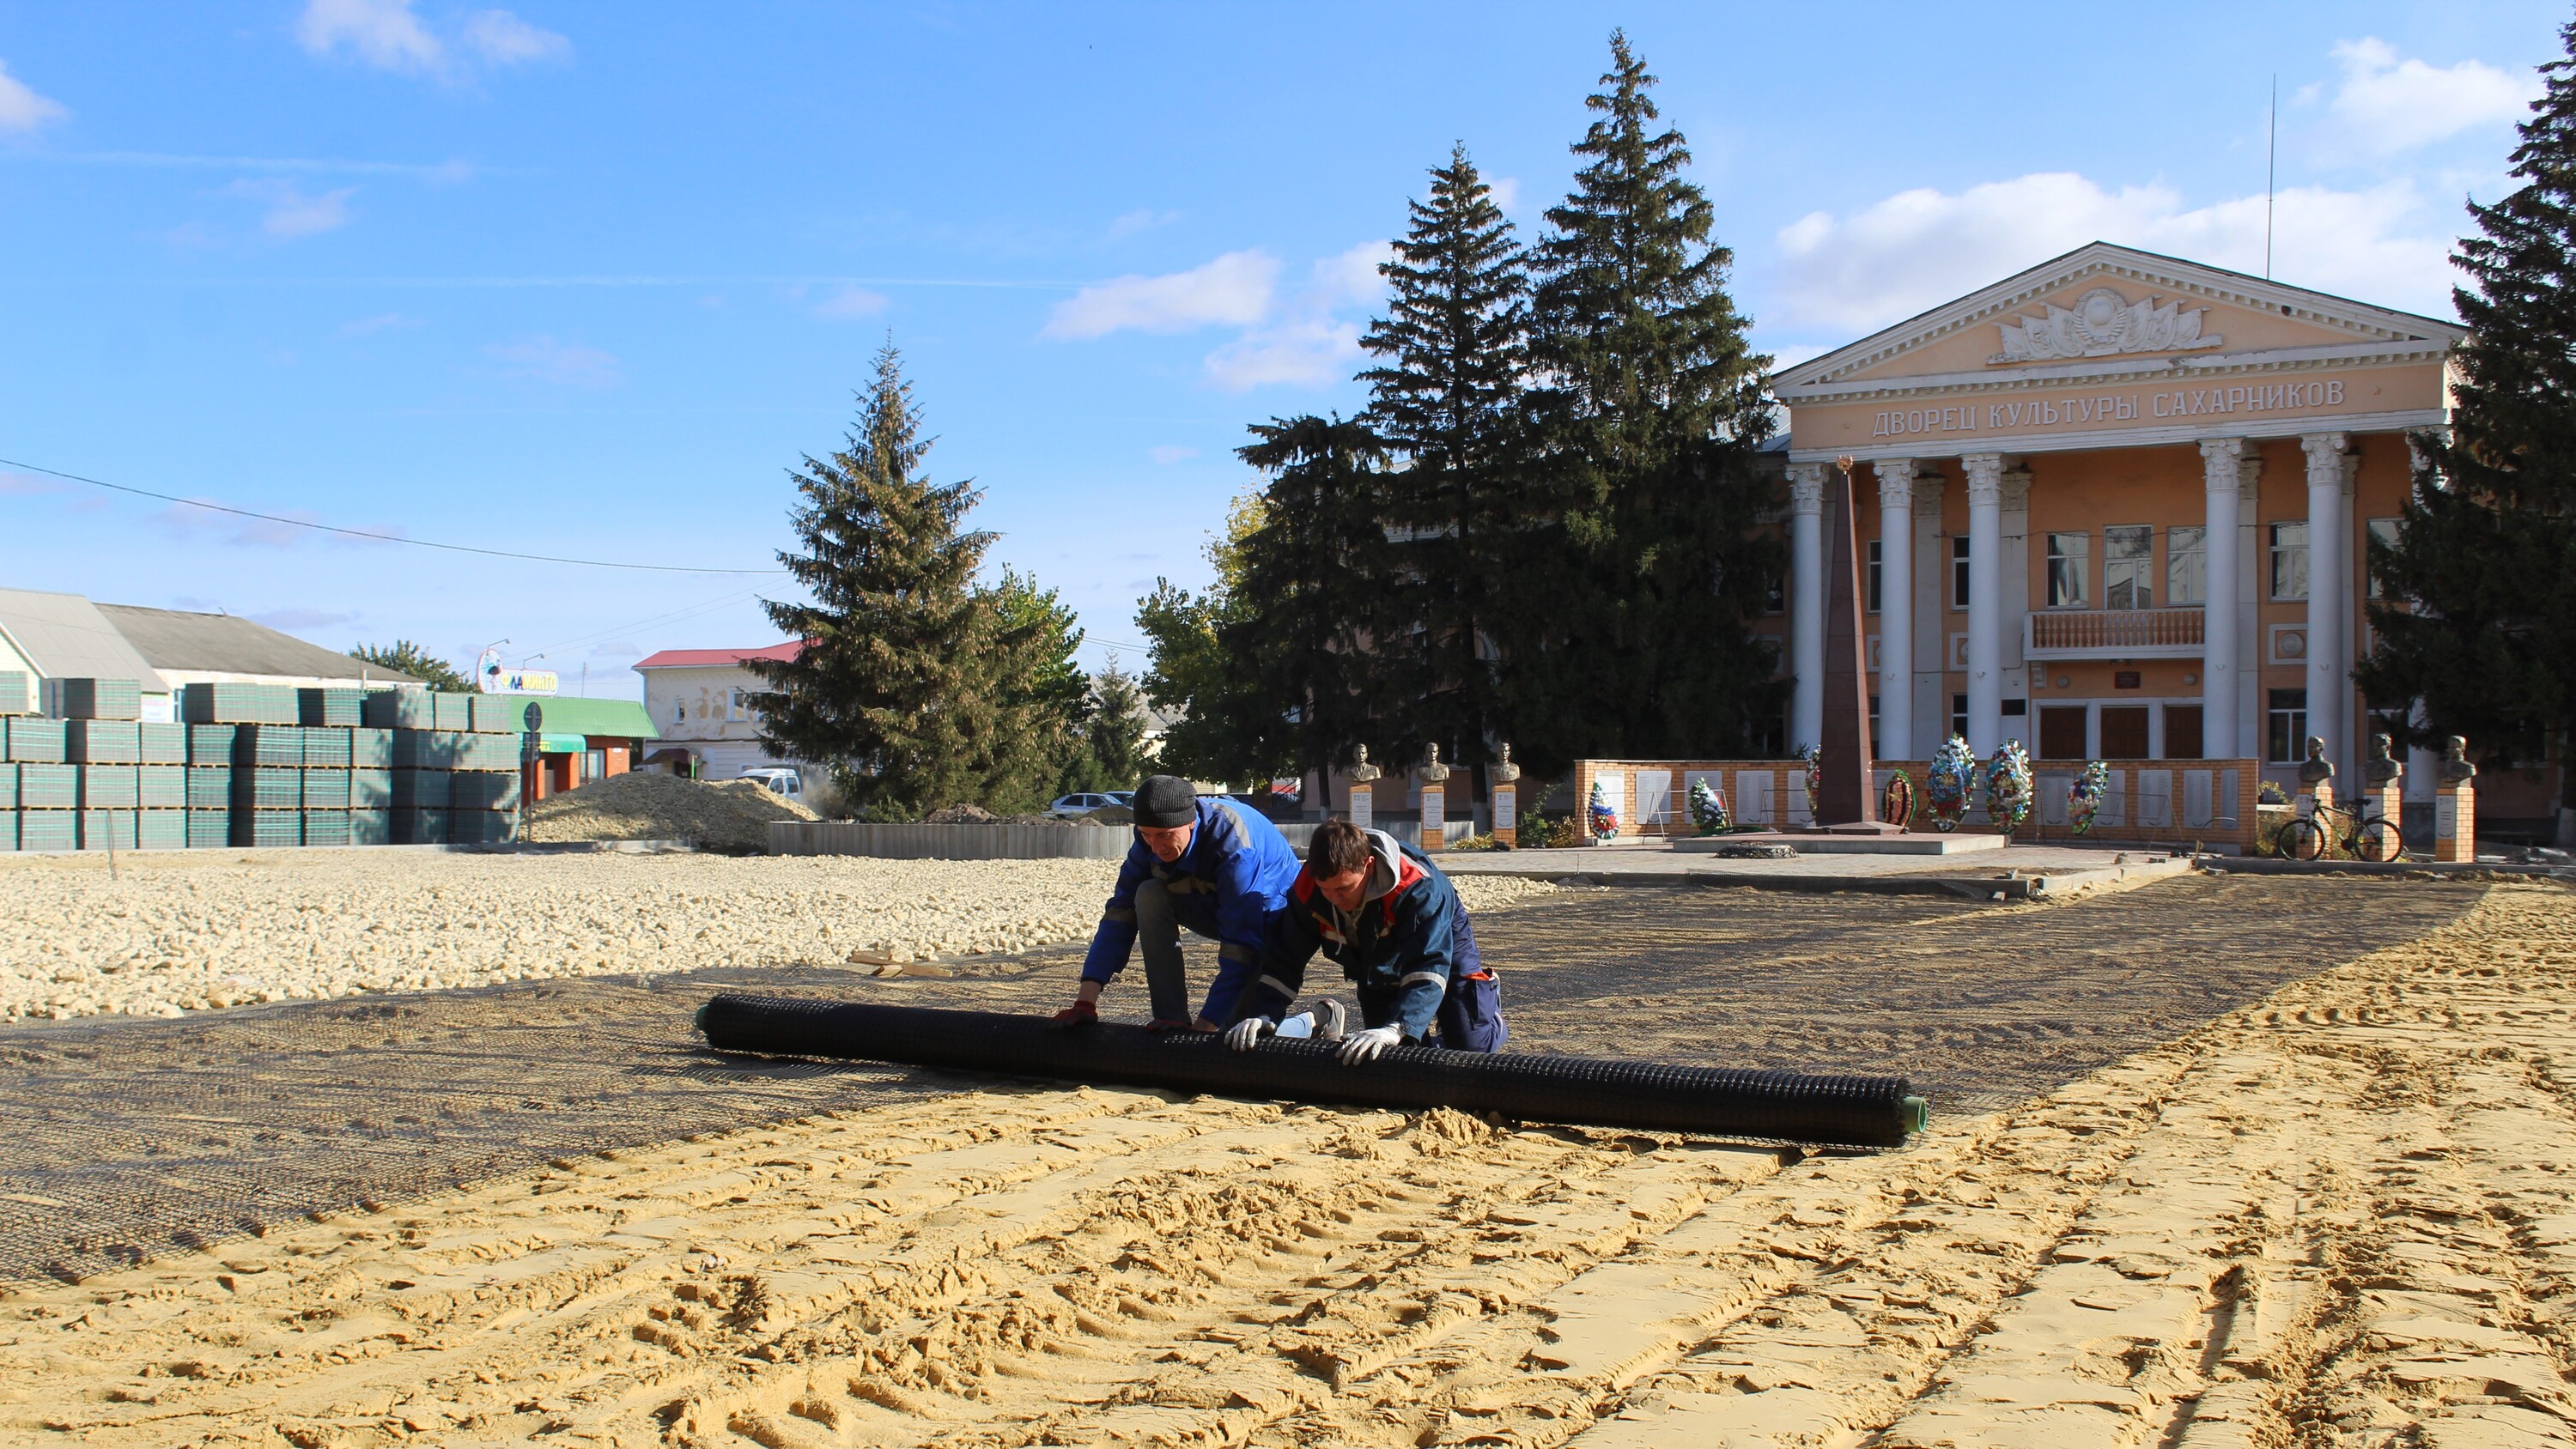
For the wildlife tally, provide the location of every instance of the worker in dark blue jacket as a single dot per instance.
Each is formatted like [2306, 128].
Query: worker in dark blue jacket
[1395, 925]
[1208, 864]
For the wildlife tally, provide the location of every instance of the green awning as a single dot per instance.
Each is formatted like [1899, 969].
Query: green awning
[551, 743]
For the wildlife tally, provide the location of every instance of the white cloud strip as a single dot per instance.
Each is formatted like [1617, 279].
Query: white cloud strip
[1920, 248]
[1233, 289]
[2386, 105]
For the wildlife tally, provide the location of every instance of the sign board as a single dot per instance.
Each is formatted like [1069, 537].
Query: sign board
[491, 678]
[563, 744]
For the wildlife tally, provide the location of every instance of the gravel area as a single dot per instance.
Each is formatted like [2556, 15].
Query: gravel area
[167, 933]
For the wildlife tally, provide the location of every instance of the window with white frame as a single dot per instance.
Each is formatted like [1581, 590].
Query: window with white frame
[2187, 564]
[2290, 559]
[2286, 742]
[2129, 567]
[2068, 554]
[2383, 531]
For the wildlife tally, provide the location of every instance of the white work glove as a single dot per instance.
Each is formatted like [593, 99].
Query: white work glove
[1244, 1033]
[1369, 1045]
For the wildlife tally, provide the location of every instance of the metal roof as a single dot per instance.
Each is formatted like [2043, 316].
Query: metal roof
[687, 658]
[226, 644]
[67, 637]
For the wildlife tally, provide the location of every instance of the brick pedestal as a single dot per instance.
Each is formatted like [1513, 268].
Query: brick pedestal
[1507, 815]
[2455, 822]
[2385, 802]
[1364, 806]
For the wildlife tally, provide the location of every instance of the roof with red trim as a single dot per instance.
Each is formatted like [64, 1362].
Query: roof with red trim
[683, 658]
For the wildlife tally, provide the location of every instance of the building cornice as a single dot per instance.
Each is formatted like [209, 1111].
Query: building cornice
[2176, 435]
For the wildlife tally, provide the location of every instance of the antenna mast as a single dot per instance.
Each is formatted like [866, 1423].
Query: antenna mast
[2271, 170]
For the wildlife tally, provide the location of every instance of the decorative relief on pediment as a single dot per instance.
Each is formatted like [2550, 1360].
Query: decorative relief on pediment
[2102, 324]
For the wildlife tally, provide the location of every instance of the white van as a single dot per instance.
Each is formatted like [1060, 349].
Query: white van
[778, 780]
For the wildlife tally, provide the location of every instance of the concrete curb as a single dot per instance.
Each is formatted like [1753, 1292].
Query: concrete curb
[2421, 869]
[2045, 887]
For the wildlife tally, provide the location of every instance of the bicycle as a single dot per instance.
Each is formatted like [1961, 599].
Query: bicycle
[2369, 838]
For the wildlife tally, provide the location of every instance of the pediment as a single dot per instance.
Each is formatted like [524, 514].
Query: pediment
[2110, 308]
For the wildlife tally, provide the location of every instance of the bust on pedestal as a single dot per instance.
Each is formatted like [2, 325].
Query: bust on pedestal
[1364, 778]
[1433, 777]
[2316, 779]
[1505, 777]
[2382, 797]
[2455, 804]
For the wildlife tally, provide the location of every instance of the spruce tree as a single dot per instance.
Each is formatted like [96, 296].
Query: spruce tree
[1309, 610]
[1447, 398]
[903, 689]
[2478, 610]
[1654, 403]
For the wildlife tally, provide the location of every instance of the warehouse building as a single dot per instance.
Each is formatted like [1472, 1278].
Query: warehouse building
[46, 636]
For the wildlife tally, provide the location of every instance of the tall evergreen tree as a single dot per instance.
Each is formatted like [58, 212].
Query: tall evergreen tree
[2478, 610]
[913, 685]
[1447, 398]
[1308, 606]
[1654, 402]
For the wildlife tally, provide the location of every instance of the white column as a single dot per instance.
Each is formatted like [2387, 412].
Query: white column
[2353, 565]
[1985, 600]
[2010, 630]
[2221, 475]
[2253, 571]
[2326, 576]
[1807, 603]
[1895, 737]
[1931, 721]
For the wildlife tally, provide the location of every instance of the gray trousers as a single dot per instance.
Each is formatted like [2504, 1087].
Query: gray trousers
[1158, 940]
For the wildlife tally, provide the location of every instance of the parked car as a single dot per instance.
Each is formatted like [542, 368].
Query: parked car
[779, 781]
[1073, 806]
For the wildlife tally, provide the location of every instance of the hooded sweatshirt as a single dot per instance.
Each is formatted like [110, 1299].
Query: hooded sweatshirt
[1403, 946]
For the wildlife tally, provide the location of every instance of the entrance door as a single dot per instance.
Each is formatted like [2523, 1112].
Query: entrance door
[2061, 732]
[2182, 732]
[2124, 732]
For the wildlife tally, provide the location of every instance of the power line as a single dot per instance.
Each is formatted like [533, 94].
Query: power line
[588, 563]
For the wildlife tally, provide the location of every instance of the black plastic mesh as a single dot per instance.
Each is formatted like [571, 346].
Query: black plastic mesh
[1844, 1111]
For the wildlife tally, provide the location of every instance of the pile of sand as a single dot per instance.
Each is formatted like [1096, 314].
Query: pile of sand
[716, 814]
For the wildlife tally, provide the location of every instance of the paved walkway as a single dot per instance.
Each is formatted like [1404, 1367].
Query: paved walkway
[125, 1139]
[2060, 872]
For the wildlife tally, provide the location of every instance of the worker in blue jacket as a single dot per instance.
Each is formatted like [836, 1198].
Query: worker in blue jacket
[1395, 925]
[1208, 864]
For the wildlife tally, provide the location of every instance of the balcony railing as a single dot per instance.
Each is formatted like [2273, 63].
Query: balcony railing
[2113, 634]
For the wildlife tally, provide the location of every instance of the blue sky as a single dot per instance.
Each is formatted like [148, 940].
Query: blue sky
[583, 279]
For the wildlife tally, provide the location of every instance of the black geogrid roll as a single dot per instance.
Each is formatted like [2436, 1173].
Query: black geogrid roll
[1848, 1111]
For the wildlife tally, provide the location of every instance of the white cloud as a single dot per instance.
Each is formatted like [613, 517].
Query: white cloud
[383, 33]
[1166, 455]
[1507, 191]
[291, 213]
[851, 304]
[2386, 105]
[1234, 288]
[1142, 219]
[504, 39]
[1305, 352]
[1920, 248]
[21, 109]
[1353, 275]
[546, 360]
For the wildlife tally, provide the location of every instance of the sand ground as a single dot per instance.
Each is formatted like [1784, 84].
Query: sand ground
[2343, 1215]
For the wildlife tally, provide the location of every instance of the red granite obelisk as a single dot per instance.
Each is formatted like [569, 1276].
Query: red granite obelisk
[1843, 794]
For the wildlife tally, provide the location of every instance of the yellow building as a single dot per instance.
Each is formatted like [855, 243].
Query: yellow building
[2114, 507]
